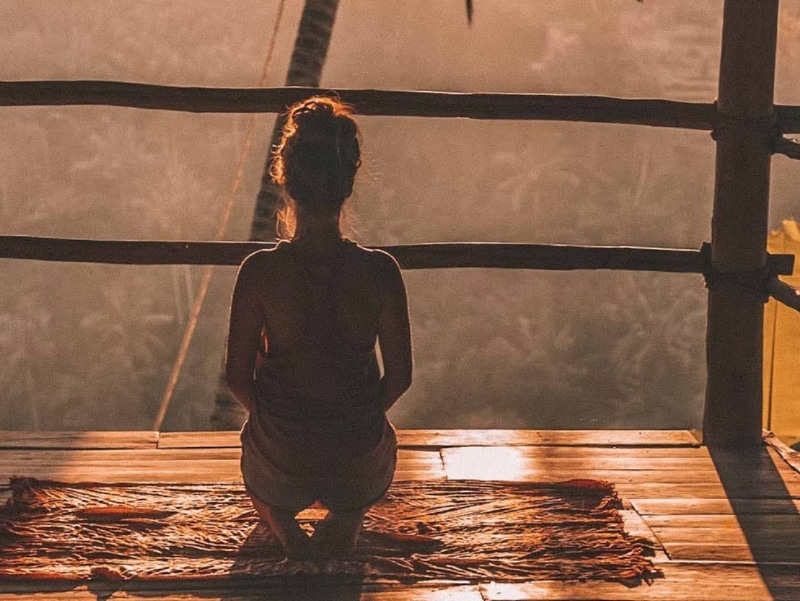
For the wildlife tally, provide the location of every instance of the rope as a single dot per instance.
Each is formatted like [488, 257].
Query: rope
[753, 281]
[208, 271]
[788, 147]
[766, 126]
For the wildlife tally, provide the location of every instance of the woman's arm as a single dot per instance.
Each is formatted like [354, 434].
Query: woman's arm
[394, 335]
[244, 336]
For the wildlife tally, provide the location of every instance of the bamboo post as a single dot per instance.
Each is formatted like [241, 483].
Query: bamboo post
[733, 410]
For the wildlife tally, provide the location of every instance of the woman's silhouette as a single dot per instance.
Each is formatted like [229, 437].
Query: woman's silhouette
[305, 318]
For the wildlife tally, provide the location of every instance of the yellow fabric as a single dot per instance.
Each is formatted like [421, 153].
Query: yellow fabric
[782, 347]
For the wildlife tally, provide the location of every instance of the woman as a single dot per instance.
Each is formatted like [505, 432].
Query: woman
[305, 318]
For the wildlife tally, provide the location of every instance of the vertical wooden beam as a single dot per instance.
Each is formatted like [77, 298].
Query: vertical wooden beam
[733, 410]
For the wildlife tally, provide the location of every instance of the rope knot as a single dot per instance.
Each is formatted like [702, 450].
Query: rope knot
[754, 281]
[768, 127]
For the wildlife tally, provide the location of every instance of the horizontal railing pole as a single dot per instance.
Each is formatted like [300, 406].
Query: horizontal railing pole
[544, 256]
[601, 109]
[410, 256]
[784, 293]
[127, 252]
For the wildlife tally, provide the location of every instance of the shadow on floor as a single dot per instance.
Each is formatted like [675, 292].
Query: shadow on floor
[765, 511]
[310, 583]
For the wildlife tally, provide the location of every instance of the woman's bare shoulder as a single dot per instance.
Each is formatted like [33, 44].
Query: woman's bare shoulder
[378, 259]
[264, 261]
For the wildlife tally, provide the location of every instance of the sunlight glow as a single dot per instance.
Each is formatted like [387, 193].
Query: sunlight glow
[487, 463]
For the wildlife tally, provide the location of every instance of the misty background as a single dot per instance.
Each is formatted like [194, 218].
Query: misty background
[91, 346]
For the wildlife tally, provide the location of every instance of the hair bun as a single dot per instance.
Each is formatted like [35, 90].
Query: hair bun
[319, 153]
[317, 124]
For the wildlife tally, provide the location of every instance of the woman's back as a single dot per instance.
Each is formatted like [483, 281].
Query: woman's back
[320, 316]
[307, 294]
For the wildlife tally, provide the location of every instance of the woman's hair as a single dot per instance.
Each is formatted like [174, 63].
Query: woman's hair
[316, 160]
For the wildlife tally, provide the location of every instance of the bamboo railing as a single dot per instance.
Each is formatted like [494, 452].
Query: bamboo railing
[748, 129]
[661, 113]
[397, 103]
[560, 257]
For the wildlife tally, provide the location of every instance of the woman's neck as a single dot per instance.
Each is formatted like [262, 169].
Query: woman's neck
[317, 229]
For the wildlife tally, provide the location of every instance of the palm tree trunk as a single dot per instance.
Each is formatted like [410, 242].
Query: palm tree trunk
[305, 69]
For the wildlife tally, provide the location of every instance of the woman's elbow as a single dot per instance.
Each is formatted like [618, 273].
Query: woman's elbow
[237, 382]
[230, 374]
[402, 383]
[407, 381]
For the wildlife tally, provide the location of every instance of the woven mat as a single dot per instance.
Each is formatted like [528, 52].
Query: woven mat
[462, 530]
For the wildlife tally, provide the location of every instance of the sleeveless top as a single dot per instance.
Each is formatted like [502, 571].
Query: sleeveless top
[318, 413]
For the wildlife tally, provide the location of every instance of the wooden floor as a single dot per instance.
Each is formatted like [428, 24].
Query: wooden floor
[727, 523]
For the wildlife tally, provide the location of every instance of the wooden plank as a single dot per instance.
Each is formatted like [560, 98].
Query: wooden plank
[532, 456]
[113, 474]
[755, 552]
[763, 552]
[175, 466]
[728, 537]
[637, 458]
[309, 589]
[522, 473]
[419, 465]
[199, 440]
[684, 582]
[317, 591]
[649, 441]
[743, 460]
[733, 548]
[513, 463]
[641, 442]
[78, 440]
[782, 523]
[158, 457]
[18, 460]
[717, 537]
[312, 591]
[600, 462]
[713, 490]
[582, 438]
[648, 507]
[95, 456]
[589, 453]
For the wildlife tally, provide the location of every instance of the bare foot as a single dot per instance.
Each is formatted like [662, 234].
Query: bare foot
[296, 543]
[336, 535]
[299, 548]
